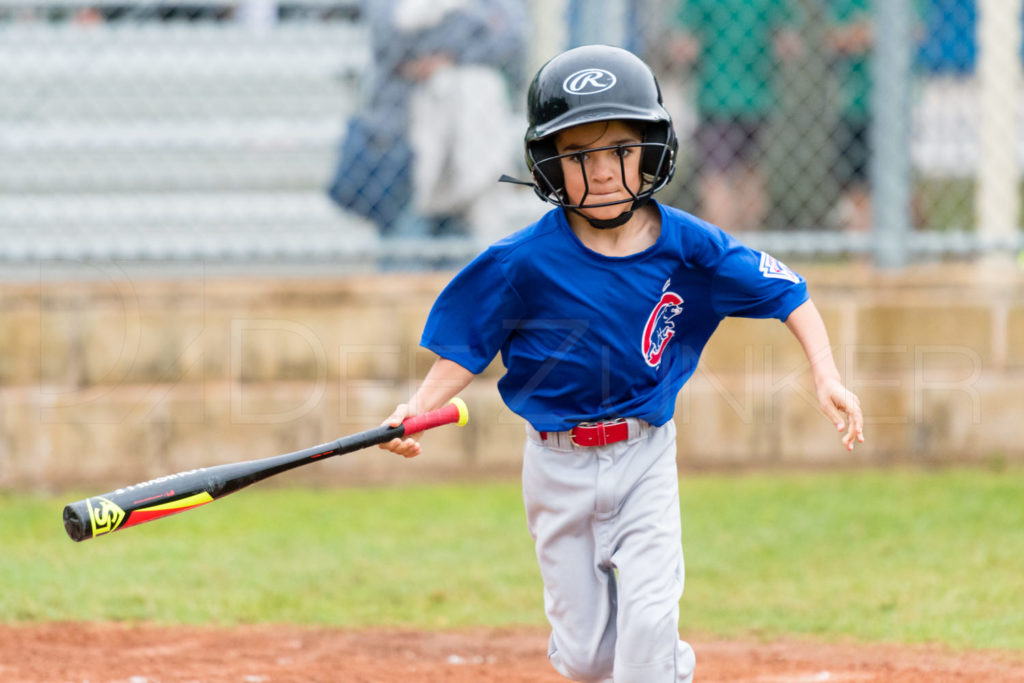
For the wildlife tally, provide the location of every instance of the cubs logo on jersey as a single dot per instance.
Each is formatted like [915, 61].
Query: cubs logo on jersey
[660, 327]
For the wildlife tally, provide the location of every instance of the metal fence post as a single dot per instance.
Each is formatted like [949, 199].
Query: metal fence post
[890, 169]
[597, 21]
[548, 20]
[999, 83]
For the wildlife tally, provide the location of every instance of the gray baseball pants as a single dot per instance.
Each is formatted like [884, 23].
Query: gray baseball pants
[606, 526]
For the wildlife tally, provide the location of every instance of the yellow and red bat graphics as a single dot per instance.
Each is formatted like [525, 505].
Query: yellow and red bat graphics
[133, 505]
[105, 515]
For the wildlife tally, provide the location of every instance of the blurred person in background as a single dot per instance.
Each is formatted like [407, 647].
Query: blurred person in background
[732, 48]
[850, 40]
[439, 95]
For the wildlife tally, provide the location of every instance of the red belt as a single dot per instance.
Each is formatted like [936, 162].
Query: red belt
[597, 433]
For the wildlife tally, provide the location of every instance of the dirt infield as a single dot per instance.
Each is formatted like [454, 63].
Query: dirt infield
[113, 653]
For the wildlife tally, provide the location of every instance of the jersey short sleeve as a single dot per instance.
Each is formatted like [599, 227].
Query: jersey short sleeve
[753, 284]
[473, 315]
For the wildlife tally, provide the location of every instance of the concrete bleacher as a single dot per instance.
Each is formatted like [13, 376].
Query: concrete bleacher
[159, 141]
[212, 141]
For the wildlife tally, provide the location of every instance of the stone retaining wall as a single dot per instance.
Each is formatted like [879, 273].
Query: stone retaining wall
[112, 381]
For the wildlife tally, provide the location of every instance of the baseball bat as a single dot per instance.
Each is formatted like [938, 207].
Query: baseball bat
[144, 502]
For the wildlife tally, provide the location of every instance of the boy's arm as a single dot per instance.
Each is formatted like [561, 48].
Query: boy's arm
[835, 399]
[443, 382]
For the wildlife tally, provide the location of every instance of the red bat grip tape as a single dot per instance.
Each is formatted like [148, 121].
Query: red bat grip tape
[455, 411]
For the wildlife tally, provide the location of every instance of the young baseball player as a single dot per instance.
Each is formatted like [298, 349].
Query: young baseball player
[600, 310]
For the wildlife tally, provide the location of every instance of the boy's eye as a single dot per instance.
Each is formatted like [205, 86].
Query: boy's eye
[622, 151]
[579, 158]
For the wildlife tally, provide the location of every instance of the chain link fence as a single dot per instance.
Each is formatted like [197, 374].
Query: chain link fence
[323, 133]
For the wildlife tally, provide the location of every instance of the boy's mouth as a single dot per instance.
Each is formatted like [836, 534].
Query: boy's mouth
[599, 197]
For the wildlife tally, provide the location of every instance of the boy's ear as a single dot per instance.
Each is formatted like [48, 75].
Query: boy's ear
[547, 174]
[656, 161]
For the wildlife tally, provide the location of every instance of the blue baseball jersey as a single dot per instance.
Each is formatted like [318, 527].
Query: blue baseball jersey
[584, 336]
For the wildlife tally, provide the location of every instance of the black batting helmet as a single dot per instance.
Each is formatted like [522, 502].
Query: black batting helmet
[596, 83]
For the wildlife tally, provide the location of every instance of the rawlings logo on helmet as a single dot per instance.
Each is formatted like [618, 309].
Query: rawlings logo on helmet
[588, 82]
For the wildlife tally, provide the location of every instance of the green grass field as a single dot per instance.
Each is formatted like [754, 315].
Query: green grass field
[899, 556]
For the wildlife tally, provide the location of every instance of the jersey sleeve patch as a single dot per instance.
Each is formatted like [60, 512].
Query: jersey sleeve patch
[771, 267]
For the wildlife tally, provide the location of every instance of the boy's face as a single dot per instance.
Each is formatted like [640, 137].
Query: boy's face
[600, 177]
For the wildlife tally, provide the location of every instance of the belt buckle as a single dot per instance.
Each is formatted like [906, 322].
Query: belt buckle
[602, 428]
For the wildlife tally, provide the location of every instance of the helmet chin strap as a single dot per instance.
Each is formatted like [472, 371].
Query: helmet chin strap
[606, 224]
[609, 223]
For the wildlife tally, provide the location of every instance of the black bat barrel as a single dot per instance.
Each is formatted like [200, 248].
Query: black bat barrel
[175, 493]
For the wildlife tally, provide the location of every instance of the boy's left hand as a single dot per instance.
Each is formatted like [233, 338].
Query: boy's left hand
[842, 407]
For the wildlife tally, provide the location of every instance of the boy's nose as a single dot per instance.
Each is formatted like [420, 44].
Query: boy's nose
[605, 167]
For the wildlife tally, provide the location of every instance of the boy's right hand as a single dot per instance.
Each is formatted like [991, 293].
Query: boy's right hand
[407, 447]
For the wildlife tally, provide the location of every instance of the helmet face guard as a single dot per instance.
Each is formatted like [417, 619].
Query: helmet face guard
[591, 84]
[656, 159]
